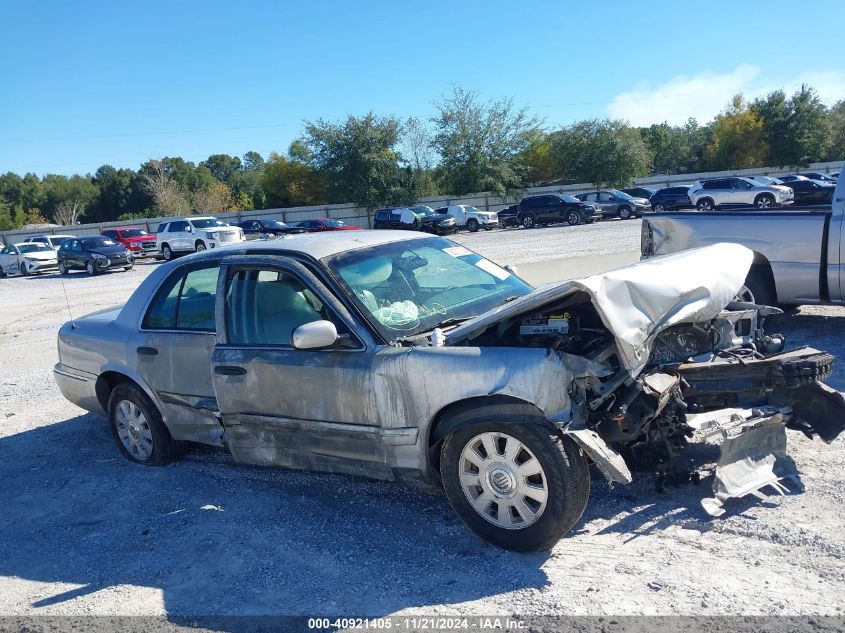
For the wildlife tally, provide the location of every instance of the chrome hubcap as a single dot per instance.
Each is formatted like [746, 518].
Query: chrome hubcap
[503, 480]
[133, 430]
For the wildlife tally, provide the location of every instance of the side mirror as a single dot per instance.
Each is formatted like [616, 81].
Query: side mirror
[189, 229]
[315, 335]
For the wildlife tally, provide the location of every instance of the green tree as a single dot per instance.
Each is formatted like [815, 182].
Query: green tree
[121, 192]
[809, 127]
[419, 157]
[222, 166]
[738, 140]
[837, 141]
[539, 159]
[358, 159]
[67, 199]
[605, 152]
[252, 161]
[290, 182]
[482, 146]
[775, 112]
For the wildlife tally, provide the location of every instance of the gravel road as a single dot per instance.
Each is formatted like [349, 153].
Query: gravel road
[86, 532]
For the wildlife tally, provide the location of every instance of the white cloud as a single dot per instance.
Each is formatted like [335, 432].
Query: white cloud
[704, 95]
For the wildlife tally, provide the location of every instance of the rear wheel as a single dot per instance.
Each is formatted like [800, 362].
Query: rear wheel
[573, 218]
[515, 480]
[138, 429]
[658, 208]
[758, 288]
[472, 225]
[528, 221]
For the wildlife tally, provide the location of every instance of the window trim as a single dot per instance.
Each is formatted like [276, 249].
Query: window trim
[296, 269]
[184, 271]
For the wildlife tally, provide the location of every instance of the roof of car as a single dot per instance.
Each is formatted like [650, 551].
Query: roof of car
[320, 245]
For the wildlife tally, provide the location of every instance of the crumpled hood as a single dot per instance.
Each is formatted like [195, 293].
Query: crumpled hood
[639, 301]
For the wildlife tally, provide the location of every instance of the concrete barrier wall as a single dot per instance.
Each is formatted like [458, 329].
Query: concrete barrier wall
[360, 216]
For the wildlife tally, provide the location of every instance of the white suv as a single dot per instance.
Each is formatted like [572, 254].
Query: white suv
[188, 235]
[714, 193]
[470, 218]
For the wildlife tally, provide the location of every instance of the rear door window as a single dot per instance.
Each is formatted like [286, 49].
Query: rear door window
[185, 301]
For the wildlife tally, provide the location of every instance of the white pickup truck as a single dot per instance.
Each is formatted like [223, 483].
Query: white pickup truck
[798, 251]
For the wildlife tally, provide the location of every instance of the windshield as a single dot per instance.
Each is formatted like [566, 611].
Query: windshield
[411, 287]
[207, 223]
[334, 223]
[620, 194]
[570, 199]
[97, 242]
[133, 233]
[34, 248]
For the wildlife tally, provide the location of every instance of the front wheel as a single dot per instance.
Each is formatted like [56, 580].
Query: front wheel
[658, 208]
[624, 213]
[24, 270]
[127, 268]
[167, 253]
[764, 201]
[62, 268]
[528, 222]
[521, 486]
[573, 218]
[472, 225]
[89, 268]
[199, 246]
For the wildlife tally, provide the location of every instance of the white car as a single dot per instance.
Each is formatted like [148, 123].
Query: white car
[53, 241]
[189, 235]
[470, 218]
[27, 258]
[716, 193]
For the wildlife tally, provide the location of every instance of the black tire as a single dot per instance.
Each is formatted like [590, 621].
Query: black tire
[417, 224]
[761, 286]
[624, 213]
[166, 252]
[126, 269]
[2, 273]
[573, 218]
[23, 270]
[529, 221]
[472, 225]
[564, 465]
[164, 449]
[63, 269]
[658, 208]
[199, 246]
[705, 204]
[764, 201]
[90, 268]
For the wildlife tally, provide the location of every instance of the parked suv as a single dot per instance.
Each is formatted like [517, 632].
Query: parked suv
[470, 218]
[617, 204]
[724, 192]
[640, 192]
[138, 241]
[671, 198]
[187, 235]
[396, 218]
[555, 207]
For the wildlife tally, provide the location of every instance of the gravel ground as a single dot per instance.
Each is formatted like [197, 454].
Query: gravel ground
[86, 532]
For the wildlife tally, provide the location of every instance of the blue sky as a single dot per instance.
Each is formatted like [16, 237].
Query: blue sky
[88, 83]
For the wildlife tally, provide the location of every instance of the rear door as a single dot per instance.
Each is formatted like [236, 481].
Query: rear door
[608, 203]
[173, 351]
[312, 409]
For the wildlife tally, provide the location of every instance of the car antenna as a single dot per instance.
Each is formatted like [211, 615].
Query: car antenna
[67, 302]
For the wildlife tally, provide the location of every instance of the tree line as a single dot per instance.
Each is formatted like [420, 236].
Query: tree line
[469, 145]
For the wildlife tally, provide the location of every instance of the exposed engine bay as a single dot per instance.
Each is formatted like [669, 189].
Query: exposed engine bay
[719, 377]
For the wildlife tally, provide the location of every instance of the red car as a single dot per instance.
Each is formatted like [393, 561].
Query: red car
[325, 224]
[138, 241]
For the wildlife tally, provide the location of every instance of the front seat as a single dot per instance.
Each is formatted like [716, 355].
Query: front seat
[281, 309]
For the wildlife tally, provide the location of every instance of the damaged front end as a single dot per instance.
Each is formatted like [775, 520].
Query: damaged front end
[682, 362]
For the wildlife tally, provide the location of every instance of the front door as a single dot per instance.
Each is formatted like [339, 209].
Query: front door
[173, 352]
[301, 408]
[608, 204]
